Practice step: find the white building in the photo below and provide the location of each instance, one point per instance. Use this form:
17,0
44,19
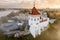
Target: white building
37,23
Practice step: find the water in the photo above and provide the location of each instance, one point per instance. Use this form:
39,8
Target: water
5,13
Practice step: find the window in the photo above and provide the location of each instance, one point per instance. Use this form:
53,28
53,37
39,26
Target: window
31,19
37,18
34,19
37,23
40,17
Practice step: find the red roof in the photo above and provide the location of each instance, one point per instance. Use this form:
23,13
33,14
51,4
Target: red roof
43,20
35,11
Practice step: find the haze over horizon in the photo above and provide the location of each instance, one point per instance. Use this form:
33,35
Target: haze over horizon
40,4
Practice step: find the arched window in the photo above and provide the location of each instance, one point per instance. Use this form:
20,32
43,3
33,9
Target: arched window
35,19
40,17
31,19
37,23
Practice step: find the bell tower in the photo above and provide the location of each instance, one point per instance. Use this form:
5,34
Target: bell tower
34,4
33,21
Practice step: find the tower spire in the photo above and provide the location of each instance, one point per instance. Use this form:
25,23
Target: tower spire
34,10
34,3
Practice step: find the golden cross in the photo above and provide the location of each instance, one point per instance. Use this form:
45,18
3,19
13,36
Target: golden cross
34,3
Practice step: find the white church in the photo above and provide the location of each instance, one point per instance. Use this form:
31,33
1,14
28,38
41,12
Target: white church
37,22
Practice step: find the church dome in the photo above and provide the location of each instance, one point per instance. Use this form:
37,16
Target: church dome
34,11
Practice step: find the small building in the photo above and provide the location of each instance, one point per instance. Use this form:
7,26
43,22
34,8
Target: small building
9,28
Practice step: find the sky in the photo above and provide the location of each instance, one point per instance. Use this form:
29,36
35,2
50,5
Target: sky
29,3
39,4
15,1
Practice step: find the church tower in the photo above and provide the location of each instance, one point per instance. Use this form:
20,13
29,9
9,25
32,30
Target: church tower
34,17
36,22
